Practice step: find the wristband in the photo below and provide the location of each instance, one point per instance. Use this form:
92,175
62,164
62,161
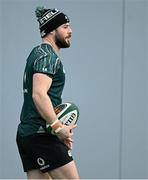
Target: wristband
58,130
56,126
54,122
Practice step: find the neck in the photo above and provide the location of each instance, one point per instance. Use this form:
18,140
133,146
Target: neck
51,42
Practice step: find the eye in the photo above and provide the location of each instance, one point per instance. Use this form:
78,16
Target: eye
65,26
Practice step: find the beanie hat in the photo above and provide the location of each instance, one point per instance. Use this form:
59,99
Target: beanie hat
49,19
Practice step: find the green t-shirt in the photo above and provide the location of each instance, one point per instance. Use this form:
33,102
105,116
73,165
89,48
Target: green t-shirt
42,59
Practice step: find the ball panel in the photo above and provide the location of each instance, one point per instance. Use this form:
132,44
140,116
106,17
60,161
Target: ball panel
70,118
67,113
70,107
61,108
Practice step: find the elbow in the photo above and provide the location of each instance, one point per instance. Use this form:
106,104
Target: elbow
36,96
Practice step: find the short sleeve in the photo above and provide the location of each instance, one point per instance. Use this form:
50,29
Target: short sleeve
47,65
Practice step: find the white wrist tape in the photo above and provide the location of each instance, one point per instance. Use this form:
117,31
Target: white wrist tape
56,126
54,122
58,130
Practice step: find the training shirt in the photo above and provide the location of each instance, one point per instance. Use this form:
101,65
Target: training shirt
42,59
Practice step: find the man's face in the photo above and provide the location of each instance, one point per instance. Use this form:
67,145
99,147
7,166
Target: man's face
62,36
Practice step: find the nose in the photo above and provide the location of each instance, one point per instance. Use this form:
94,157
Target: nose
70,30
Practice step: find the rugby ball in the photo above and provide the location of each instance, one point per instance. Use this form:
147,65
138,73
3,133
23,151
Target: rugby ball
67,113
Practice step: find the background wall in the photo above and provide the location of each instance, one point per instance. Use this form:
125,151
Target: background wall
0,92
135,91
107,76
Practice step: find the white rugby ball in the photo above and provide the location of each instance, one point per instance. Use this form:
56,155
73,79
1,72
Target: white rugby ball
67,113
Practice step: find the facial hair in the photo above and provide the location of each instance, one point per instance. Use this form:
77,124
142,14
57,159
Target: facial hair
61,41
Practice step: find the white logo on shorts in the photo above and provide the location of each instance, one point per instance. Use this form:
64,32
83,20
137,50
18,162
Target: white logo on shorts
40,161
69,153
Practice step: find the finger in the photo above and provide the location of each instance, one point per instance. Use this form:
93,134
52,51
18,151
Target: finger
68,144
70,139
72,126
71,145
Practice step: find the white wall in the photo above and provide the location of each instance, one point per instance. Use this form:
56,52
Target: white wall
135,102
107,76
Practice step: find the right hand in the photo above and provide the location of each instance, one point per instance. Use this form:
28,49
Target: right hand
65,134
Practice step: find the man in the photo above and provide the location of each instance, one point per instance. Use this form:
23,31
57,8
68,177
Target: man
43,154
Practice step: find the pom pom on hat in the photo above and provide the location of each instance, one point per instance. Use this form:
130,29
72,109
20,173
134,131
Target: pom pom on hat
40,10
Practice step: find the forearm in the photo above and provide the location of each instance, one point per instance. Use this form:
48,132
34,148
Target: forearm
45,107
41,85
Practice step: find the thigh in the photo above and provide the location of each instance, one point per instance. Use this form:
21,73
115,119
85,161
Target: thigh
37,174
68,171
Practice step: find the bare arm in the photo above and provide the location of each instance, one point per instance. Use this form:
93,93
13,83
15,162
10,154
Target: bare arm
41,85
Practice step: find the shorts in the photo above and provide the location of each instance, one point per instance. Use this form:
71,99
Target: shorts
42,151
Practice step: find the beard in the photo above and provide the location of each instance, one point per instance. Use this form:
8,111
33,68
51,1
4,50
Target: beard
62,42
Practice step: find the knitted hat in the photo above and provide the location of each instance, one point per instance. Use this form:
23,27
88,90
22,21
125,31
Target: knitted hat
49,19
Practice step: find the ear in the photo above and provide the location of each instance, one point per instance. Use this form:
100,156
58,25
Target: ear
53,32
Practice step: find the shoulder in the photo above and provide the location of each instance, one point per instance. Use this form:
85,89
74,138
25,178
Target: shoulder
46,61
45,51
